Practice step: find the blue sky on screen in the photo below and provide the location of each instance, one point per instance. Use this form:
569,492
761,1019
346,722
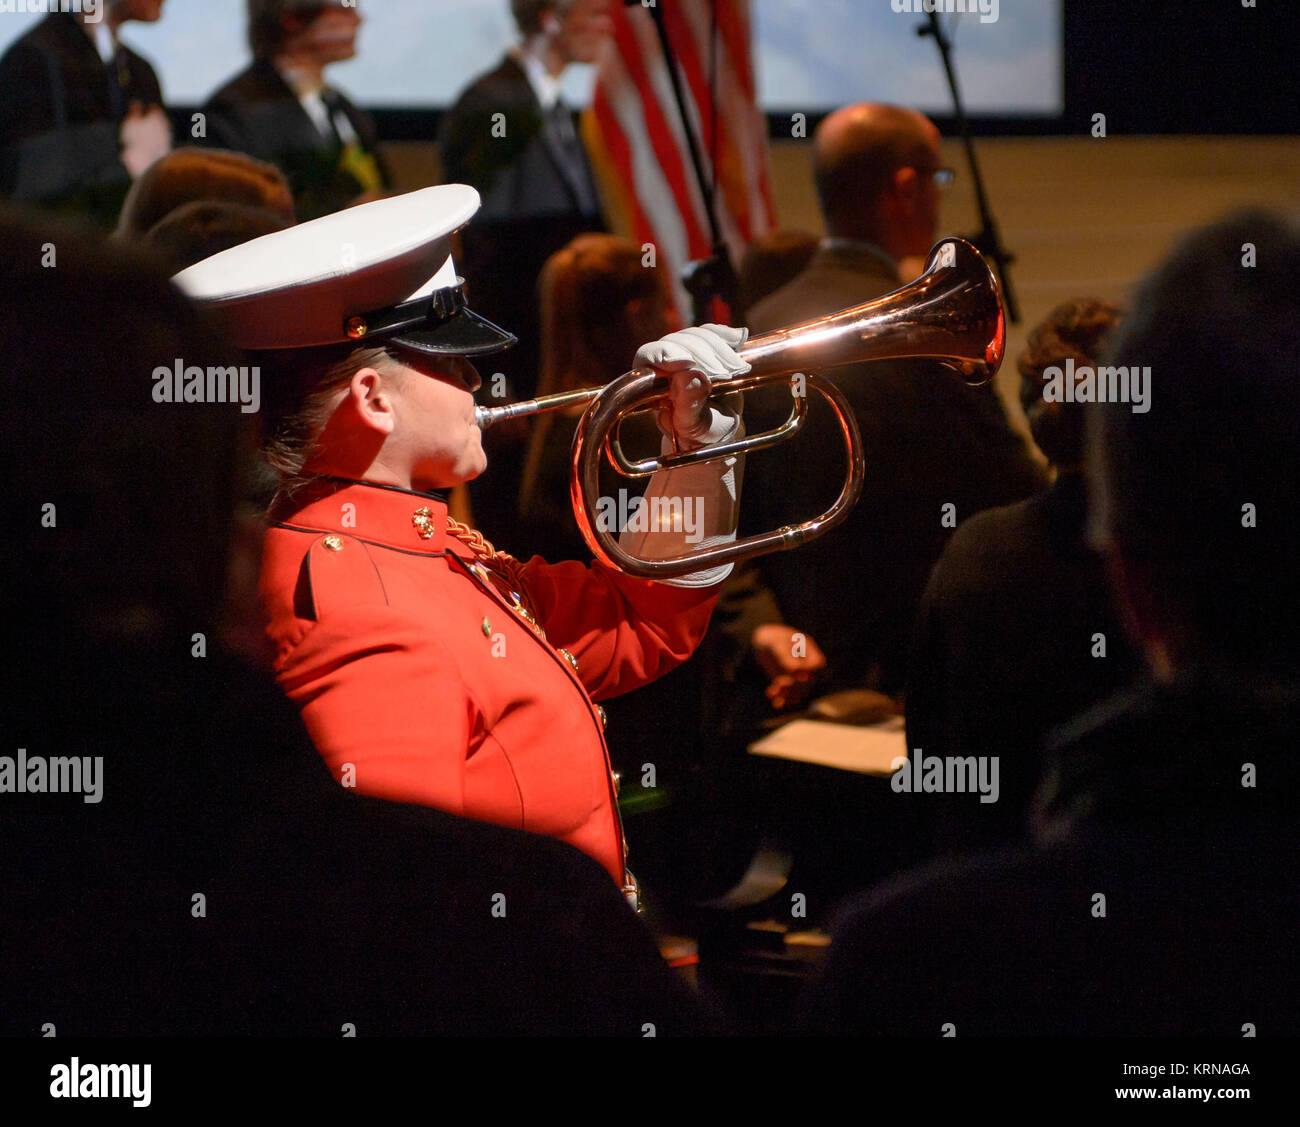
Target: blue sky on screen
829,52
812,54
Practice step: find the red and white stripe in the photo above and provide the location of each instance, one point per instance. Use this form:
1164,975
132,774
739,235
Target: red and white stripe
634,133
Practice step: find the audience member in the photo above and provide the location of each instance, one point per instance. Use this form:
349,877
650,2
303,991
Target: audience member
191,175
199,871
1016,631
83,112
937,450
599,302
281,109
1160,896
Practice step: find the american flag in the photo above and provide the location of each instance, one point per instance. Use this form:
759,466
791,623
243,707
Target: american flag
633,132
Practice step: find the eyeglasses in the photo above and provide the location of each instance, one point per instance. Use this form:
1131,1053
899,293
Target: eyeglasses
943,177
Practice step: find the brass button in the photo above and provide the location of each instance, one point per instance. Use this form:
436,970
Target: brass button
562,652
487,628
604,718
617,777
333,543
356,328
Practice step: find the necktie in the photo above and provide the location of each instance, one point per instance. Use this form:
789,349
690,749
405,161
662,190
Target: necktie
559,124
333,108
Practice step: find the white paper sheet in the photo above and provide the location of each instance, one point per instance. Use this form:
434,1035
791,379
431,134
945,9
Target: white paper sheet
870,750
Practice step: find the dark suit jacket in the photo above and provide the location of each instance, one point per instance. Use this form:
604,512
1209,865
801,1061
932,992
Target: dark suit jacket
523,172
59,133
257,113
320,907
930,441
1200,876
1003,652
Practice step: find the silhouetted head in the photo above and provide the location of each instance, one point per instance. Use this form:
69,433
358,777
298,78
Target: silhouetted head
573,30
190,175
600,302
123,505
1074,330
319,31
1193,498
199,230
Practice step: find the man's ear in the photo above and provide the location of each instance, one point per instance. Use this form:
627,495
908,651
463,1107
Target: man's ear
371,395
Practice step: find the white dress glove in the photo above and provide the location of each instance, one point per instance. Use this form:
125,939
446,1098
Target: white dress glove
695,358
693,507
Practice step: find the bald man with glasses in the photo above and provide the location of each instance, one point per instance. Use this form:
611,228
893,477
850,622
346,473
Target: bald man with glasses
930,440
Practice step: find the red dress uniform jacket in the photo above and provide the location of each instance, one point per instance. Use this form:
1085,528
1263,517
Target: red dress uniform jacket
421,678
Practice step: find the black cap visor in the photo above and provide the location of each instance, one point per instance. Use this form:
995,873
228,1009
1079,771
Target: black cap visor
464,333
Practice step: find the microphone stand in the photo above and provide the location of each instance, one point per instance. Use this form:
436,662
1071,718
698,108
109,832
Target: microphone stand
715,276
987,241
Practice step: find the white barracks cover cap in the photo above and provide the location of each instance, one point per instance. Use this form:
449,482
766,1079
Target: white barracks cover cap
380,271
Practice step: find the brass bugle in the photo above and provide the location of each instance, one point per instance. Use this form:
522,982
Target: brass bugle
951,314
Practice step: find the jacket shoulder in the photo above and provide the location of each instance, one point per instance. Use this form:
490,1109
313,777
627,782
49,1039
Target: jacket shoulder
257,82
824,286
47,42
334,572
504,88
57,30
506,81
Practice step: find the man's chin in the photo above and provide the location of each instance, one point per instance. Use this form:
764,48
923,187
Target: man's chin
471,472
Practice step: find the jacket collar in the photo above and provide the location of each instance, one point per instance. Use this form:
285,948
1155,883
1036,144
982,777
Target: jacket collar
378,514
87,45
545,87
